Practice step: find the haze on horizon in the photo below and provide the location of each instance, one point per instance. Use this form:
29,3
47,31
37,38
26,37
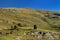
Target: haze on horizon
36,4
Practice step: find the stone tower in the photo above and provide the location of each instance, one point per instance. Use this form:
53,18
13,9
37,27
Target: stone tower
35,27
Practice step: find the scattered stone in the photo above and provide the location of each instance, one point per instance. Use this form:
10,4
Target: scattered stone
49,36
40,32
43,34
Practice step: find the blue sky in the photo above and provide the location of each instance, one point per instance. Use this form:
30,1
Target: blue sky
37,4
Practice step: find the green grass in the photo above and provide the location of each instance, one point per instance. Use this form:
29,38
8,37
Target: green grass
27,18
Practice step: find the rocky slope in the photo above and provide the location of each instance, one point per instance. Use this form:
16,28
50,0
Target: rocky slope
42,35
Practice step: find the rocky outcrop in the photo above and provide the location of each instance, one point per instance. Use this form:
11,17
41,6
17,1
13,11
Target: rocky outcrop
43,35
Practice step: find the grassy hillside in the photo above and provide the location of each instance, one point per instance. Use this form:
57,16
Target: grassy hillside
45,20
28,17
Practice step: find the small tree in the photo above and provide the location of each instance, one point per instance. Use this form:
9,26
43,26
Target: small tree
15,27
19,24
